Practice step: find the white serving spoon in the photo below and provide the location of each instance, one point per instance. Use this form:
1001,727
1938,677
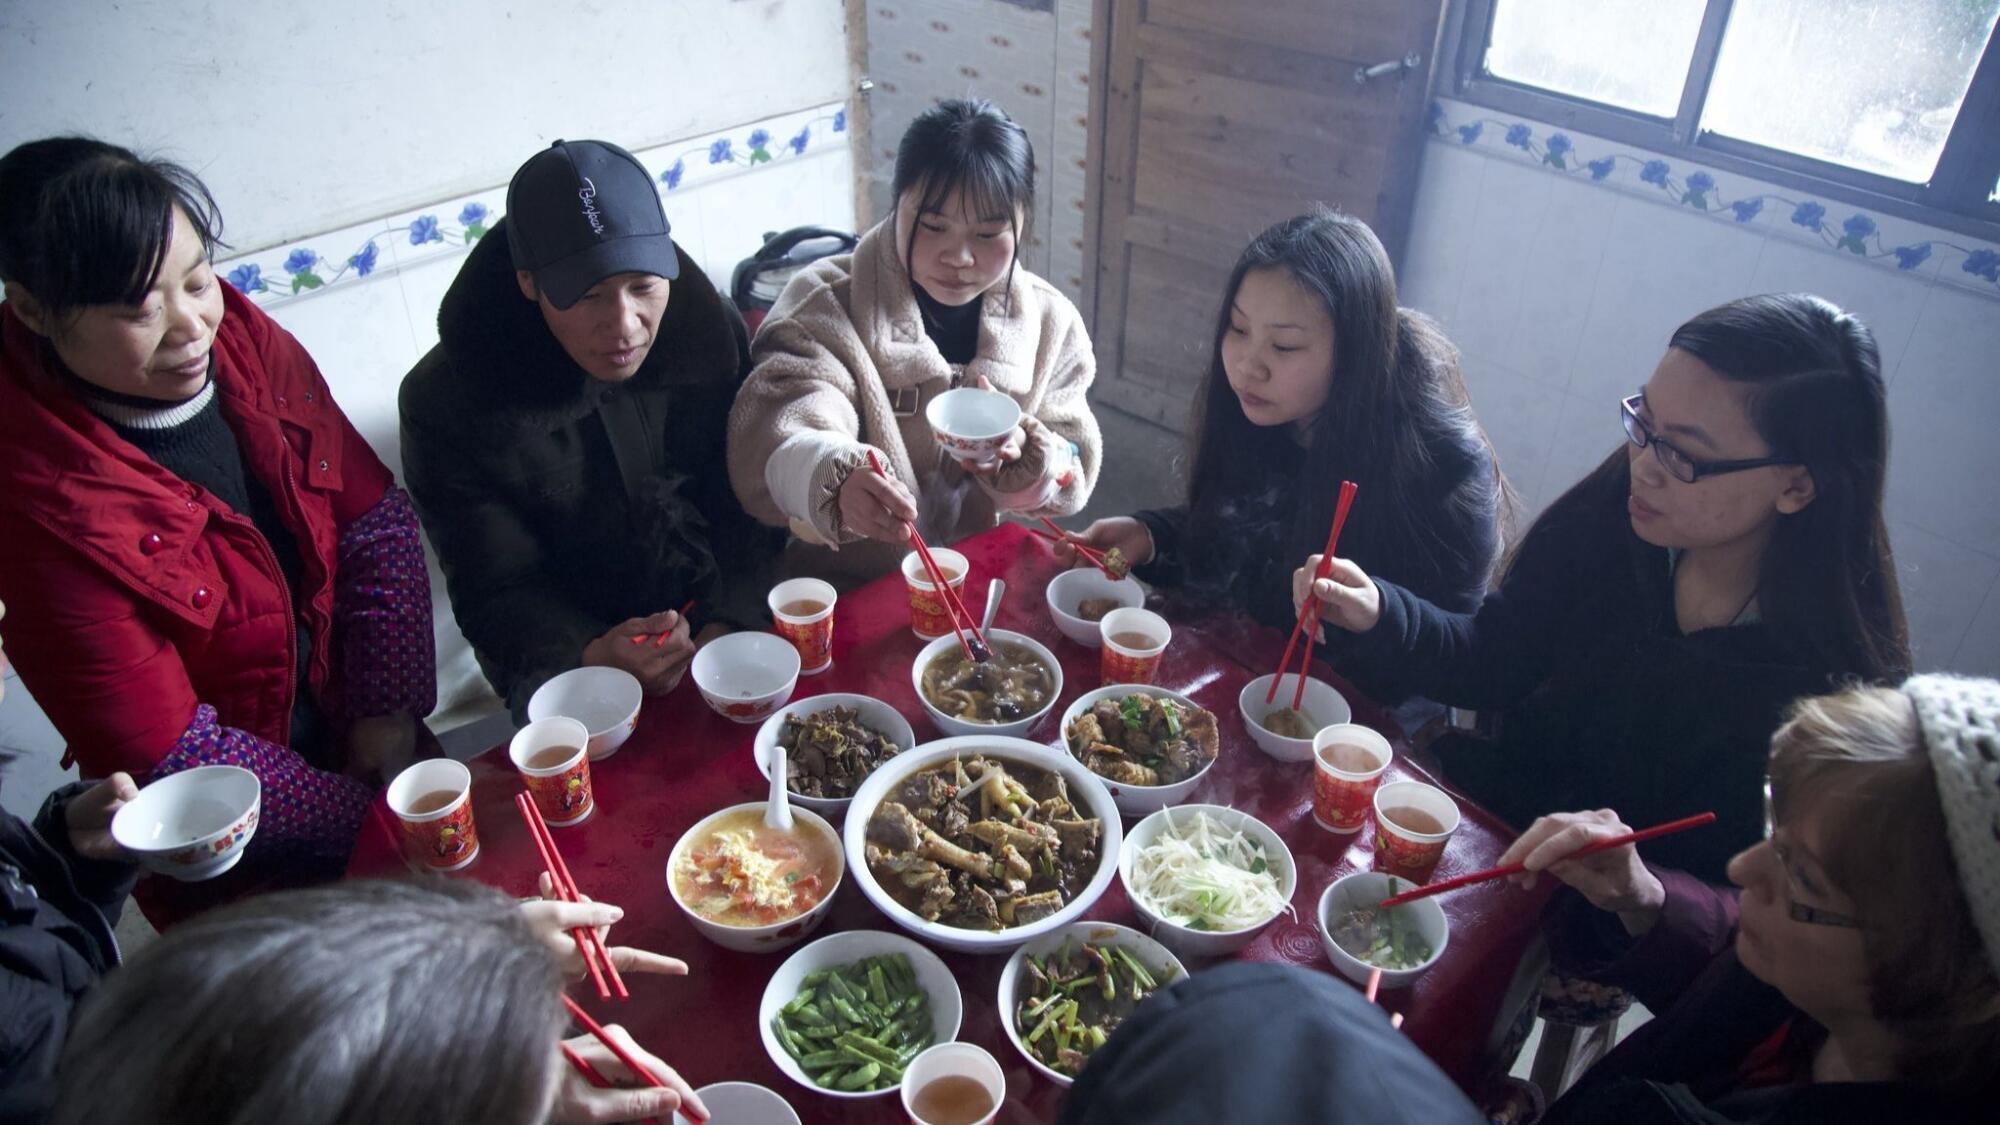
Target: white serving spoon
778,811
995,590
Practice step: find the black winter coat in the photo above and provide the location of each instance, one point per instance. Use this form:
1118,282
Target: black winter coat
57,911
560,506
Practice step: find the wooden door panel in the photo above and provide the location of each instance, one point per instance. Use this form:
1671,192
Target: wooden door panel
1371,29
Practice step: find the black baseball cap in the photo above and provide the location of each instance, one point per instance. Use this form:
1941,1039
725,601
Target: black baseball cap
581,211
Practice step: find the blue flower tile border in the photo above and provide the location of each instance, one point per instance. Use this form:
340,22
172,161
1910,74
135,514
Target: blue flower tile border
280,273
1856,232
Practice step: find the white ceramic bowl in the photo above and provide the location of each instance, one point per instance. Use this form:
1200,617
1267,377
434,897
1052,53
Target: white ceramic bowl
1086,792
193,824
834,950
777,935
1157,958
1015,729
1368,888
972,424
1206,943
605,700
745,677
1137,799
1325,704
742,1103
874,713
1071,588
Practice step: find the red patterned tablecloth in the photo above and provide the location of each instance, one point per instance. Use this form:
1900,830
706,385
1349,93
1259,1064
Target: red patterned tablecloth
684,762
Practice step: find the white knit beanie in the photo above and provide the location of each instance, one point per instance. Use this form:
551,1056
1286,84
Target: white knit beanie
1961,729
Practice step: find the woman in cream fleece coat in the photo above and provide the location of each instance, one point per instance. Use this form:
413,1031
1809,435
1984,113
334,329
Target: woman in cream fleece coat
858,345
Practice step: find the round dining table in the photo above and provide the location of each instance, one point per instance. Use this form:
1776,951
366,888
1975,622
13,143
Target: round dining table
684,761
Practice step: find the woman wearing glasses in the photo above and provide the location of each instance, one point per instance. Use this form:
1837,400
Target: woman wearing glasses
1856,974
1660,616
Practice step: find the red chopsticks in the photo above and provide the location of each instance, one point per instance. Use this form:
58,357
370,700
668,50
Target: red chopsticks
1090,554
591,1073
1609,842
975,649
1311,608
660,639
588,944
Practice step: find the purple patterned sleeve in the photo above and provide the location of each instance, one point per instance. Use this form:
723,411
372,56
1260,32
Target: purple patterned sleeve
306,811
382,611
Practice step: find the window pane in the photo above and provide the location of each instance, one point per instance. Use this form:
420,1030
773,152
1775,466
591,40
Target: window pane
1628,53
1872,84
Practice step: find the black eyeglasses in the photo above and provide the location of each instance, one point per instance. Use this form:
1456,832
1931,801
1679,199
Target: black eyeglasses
1676,460
1800,912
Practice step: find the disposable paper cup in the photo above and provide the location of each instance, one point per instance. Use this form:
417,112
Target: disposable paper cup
1342,793
947,1059
1401,851
562,790
927,612
810,633
1121,663
442,838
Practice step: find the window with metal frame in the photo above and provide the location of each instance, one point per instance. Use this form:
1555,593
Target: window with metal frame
1888,104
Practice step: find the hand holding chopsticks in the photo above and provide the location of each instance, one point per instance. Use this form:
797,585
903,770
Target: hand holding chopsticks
660,639
589,945
963,623
1592,852
620,1080
1083,550
553,917
1309,612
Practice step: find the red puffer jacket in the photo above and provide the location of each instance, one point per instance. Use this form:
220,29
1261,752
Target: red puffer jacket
153,623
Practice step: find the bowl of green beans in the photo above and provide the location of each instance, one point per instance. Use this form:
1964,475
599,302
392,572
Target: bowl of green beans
844,1015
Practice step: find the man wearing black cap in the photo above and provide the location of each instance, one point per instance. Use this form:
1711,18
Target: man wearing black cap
564,440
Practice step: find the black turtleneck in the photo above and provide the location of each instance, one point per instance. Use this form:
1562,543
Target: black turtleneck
955,331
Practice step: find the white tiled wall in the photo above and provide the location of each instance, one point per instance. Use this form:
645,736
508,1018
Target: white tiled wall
1562,291
1033,60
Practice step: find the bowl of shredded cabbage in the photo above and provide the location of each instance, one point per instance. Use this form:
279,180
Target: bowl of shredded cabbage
1206,879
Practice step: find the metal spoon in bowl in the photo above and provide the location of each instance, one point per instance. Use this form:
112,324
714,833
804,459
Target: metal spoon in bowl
778,812
995,590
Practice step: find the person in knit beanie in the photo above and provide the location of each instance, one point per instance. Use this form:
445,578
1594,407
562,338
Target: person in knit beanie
1855,975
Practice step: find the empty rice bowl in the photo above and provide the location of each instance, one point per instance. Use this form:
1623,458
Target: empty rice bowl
1360,889
1086,792
746,677
1153,955
952,725
191,825
1137,800
742,1103
1070,589
835,950
1183,939
1323,705
874,713
605,700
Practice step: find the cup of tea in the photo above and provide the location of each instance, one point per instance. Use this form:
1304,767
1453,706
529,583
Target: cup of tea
802,610
1412,823
553,756
953,1084
1348,762
1134,640
928,616
432,801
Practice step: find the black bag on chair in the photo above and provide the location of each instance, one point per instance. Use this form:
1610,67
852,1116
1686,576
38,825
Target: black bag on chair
762,276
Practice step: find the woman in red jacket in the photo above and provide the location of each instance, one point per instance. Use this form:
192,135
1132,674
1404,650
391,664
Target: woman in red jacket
204,561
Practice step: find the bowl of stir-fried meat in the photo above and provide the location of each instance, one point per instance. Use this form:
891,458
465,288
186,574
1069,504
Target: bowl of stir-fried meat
1078,599
1151,746
832,743
980,843
1005,696
1063,994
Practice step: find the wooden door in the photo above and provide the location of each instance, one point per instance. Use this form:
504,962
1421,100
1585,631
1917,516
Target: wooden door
1213,119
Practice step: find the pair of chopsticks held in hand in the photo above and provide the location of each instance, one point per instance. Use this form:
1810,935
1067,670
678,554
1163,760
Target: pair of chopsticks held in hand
563,907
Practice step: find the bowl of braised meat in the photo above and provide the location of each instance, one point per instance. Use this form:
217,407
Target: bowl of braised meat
1150,746
980,843
831,743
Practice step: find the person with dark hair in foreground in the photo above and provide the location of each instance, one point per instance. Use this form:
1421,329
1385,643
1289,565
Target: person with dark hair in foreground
1660,616
1253,1042
1856,974
206,562
433,1001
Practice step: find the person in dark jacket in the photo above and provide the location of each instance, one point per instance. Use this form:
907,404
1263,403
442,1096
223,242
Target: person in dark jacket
1255,1042
1855,976
1661,615
1317,376
564,440
206,562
